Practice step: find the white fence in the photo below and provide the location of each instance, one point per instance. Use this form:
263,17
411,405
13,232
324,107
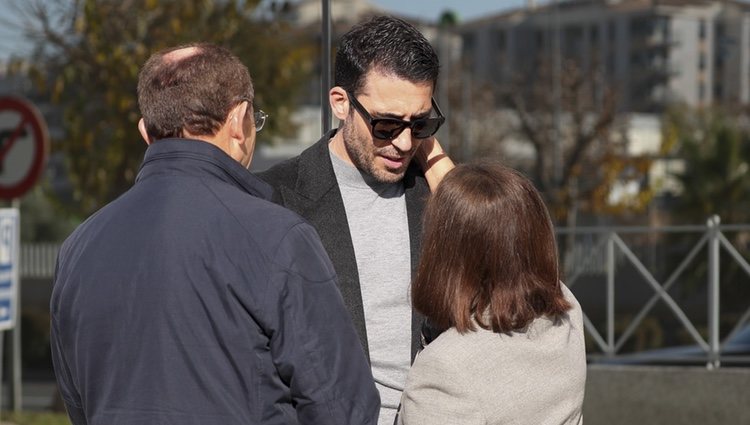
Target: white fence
605,251
38,260
600,252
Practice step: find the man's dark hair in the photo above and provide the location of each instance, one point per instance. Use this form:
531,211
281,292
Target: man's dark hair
389,45
193,93
488,253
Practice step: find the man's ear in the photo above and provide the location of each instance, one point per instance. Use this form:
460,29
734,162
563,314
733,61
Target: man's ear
144,133
236,122
339,102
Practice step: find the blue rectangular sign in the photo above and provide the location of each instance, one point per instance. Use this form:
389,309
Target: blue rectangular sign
6,280
9,266
6,310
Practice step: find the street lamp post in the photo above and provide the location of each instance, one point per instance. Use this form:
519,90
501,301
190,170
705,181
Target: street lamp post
325,61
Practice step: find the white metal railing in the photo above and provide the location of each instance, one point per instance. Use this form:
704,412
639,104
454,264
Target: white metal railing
610,251
597,251
38,259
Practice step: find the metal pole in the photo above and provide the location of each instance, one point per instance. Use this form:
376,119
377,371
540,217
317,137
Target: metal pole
466,100
557,89
325,61
713,292
445,59
2,352
611,295
16,335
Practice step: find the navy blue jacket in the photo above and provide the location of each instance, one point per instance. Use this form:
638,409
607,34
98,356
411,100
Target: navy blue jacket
192,300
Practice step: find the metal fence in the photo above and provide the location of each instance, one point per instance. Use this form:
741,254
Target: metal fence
38,260
599,257
604,253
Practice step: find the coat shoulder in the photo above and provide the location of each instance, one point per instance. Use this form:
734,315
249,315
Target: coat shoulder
282,174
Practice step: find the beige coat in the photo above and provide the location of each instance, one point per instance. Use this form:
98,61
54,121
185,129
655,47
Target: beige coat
534,377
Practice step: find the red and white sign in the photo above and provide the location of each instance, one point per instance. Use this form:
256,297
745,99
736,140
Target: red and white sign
24,144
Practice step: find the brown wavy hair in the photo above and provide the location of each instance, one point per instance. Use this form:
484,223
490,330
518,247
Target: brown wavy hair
488,253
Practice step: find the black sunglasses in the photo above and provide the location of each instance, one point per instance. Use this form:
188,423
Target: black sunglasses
390,128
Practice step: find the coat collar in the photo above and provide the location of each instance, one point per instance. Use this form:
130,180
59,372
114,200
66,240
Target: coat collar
196,157
316,170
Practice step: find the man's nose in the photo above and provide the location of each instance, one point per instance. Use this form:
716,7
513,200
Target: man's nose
403,141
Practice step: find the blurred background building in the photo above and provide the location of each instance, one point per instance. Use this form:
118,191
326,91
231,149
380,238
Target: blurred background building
654,52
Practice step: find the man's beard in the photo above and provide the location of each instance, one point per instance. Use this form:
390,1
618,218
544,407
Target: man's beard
363,154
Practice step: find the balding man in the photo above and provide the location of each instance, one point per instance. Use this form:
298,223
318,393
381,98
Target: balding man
191,299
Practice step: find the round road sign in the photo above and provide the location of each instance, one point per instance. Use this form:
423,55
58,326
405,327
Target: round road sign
23,146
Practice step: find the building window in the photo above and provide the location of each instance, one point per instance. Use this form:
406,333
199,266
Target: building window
501,41
594,35
664,28
468,42
702,29
701,61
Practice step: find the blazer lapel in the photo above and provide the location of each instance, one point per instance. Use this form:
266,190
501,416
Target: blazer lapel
417,191
316,197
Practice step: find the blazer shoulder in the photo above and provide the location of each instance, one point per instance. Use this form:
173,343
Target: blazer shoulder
288,173
444,350
282,174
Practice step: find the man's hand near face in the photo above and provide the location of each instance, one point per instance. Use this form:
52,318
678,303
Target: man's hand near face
434,161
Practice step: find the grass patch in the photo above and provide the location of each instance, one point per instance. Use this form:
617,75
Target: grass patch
35,418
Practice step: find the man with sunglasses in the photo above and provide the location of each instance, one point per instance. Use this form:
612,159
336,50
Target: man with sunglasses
360,187
192,299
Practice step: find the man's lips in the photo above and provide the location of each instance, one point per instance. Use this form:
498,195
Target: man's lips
393,161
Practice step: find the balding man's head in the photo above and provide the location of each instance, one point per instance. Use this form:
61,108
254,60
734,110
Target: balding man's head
191,89
180,53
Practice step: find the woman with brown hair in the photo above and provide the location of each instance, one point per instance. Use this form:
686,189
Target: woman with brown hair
513,350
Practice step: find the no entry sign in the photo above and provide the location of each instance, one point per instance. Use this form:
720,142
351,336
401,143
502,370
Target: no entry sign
23,146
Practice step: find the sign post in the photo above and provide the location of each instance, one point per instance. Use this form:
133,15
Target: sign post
9,279
24,146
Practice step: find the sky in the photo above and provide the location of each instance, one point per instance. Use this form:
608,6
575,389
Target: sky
466,9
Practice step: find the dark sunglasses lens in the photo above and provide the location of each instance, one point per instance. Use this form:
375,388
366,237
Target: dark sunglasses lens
424,128
387,129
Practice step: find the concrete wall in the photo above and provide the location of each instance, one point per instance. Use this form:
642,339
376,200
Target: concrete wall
630,395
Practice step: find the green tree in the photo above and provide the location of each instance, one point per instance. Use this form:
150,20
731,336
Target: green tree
579,141
714,146
41,220
86,60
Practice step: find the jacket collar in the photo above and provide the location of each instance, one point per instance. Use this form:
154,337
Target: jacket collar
196,157
316,176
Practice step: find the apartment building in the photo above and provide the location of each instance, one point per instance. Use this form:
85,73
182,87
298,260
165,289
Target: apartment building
653,52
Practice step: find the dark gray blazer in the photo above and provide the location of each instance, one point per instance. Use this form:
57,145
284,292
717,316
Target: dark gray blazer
306,184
